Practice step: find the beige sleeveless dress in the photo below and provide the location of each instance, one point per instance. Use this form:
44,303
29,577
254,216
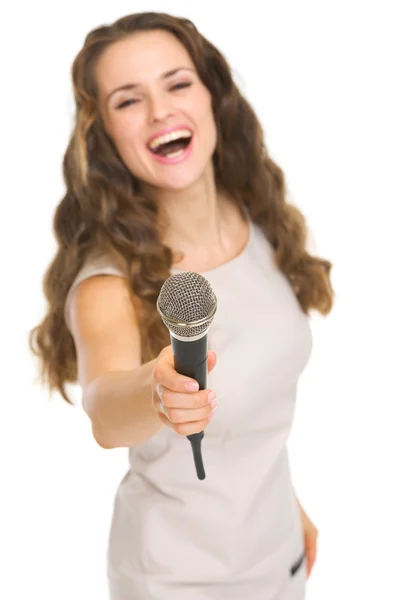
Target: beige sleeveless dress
237,534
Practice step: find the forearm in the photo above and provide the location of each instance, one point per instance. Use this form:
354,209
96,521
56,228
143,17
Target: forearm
119,405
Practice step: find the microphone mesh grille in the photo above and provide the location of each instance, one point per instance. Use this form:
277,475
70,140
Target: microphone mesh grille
186,296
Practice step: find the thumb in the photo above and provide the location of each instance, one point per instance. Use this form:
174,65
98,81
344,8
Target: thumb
212,360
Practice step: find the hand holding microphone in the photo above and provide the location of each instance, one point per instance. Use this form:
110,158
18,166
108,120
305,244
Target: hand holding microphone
183,410
187,305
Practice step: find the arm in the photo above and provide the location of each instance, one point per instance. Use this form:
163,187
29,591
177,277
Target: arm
116,388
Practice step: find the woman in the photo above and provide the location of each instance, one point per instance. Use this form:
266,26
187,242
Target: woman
167,170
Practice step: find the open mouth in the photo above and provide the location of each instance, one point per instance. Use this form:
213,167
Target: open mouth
173,148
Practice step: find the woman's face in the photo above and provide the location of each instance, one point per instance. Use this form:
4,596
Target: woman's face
165,93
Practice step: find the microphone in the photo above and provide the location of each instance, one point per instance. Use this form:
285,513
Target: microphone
187,305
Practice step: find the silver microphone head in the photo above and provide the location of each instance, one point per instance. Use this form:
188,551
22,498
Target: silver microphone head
187,304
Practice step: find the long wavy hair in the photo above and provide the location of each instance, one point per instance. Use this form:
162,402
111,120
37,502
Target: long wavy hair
103,209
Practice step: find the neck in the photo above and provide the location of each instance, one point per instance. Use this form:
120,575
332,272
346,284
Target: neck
192,218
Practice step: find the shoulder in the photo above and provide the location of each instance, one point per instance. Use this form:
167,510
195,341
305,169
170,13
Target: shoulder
103,321
93,275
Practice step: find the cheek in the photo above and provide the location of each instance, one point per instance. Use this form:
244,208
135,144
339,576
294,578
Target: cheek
124,131
204,101
212,133
205,117
125,136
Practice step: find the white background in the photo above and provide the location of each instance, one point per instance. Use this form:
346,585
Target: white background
322,77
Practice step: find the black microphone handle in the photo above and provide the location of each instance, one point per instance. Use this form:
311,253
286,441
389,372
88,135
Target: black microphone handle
190,359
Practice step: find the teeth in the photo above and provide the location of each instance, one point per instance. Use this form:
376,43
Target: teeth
170,137
173,154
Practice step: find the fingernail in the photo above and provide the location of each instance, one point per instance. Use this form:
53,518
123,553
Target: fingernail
192,386
211,397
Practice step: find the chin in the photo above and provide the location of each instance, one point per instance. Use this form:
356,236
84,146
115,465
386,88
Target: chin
181,181
186,178
178,186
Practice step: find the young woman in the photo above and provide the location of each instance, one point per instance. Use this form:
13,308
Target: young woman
167,171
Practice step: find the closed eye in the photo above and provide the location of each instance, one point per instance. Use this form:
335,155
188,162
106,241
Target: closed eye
178,86
181,85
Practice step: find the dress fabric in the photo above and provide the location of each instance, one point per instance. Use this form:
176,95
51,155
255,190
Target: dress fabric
236,534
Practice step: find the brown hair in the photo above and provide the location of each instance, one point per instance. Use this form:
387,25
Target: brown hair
103,209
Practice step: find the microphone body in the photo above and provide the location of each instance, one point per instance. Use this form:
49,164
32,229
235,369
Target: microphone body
190,359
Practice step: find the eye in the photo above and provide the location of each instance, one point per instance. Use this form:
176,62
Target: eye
181,85
127,103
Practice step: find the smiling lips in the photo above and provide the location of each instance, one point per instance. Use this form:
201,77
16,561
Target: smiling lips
166,148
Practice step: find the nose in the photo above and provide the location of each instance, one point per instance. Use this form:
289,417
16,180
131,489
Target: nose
159,107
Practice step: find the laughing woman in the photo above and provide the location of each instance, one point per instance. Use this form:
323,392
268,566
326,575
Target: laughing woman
167,171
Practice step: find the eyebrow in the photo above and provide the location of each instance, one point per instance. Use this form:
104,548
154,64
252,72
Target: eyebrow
130,86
